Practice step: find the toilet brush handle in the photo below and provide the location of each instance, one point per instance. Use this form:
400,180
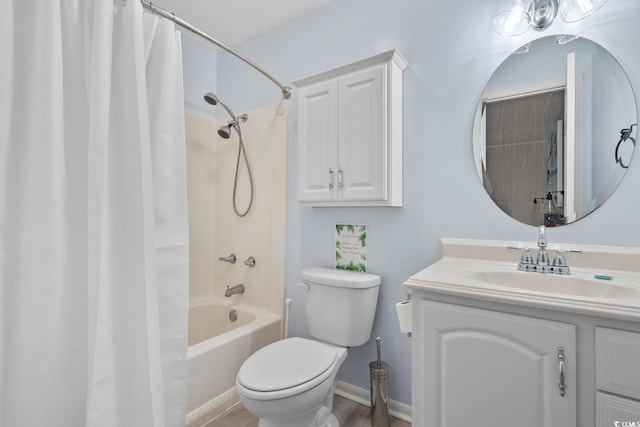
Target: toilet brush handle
379,361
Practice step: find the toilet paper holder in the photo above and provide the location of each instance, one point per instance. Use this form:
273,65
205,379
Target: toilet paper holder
404,312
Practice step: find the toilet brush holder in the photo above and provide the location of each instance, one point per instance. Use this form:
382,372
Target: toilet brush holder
379,373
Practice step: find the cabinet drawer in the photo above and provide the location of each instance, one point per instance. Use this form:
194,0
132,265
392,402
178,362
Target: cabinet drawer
618,362
616,411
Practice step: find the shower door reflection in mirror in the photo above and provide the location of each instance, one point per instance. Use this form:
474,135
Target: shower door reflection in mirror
546,130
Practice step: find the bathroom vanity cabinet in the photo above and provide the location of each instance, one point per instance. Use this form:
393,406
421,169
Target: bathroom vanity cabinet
491,364
350,134
531,350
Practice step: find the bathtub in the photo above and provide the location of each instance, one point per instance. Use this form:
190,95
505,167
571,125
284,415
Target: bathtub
217,348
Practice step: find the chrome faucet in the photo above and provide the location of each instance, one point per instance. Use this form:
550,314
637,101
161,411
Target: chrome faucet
543,256
237,289
231,258
542,265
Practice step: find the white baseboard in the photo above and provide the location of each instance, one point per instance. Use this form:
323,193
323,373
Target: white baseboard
362,396
212,409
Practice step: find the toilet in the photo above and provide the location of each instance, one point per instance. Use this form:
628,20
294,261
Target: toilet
291,383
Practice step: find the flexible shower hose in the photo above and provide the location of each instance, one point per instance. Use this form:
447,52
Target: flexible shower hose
242,152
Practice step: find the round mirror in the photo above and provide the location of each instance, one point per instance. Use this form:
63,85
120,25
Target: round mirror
554,130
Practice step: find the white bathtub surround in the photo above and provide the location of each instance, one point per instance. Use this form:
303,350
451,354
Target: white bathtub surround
93,217
217,349
215,230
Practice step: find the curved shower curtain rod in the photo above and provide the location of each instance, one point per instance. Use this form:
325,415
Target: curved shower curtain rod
286,91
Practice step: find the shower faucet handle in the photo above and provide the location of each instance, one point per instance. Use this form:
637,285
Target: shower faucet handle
251,261
231,258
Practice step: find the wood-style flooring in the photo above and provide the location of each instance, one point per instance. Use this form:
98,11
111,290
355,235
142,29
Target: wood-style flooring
348,412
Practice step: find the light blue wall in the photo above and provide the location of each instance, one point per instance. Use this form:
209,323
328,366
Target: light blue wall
200,74
452,51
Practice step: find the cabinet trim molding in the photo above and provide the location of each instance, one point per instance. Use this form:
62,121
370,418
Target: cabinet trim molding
390,55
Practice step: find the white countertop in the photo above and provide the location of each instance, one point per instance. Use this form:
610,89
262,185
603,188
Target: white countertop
463,261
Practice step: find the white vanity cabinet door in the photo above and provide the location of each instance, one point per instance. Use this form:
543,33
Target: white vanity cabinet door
618,362
490,369
318,141
614,411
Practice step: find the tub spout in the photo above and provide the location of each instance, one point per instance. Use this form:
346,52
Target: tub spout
237,289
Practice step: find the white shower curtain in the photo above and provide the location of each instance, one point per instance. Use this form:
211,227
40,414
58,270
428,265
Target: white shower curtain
93,217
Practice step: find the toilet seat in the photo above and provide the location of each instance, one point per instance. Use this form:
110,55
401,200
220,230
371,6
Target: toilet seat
286,368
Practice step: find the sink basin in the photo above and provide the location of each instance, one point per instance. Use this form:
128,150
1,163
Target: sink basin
483,270
557,284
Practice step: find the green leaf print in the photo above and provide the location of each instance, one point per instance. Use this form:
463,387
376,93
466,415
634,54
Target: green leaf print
363,239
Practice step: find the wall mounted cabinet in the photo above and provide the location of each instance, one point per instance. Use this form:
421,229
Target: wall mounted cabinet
350,134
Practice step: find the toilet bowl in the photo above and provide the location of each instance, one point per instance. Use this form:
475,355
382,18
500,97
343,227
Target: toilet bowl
290,383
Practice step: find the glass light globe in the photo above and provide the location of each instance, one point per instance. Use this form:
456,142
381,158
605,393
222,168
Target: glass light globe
575,10
513,19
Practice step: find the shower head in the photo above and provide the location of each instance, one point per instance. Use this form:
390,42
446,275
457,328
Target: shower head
214,100
211,98
225,131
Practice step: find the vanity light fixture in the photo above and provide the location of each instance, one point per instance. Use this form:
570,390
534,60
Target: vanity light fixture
520,15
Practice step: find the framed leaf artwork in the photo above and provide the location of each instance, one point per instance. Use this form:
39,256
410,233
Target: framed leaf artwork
351,247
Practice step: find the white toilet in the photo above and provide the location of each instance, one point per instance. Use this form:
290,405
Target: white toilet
290,383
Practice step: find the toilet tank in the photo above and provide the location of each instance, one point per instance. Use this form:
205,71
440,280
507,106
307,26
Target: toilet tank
340,305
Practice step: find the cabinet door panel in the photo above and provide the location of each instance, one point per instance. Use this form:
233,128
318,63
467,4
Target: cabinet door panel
492,369
362,155
618,362
616,411
318,141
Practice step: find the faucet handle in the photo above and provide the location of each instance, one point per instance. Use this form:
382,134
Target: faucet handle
526,257
559,260
526,260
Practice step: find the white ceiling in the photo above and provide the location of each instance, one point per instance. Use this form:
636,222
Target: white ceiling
235,21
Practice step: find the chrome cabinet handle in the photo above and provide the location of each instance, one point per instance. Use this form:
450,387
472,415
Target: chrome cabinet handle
331,179
562,385
340,178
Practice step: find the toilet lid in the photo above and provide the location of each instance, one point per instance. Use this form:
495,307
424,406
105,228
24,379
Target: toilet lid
285,364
